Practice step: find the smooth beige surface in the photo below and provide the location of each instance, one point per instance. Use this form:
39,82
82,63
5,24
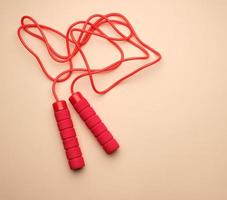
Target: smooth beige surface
169,120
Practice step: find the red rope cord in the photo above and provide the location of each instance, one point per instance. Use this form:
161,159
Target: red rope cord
74,45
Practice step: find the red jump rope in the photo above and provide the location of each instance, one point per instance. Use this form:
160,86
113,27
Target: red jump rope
74,46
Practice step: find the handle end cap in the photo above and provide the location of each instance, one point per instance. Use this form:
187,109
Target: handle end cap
111,146
76,163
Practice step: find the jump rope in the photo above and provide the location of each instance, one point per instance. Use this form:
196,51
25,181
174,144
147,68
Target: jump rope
74,46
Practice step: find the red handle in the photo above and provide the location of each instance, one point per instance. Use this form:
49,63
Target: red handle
68,135
94,123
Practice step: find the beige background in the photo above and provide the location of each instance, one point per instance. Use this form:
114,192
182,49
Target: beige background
170,120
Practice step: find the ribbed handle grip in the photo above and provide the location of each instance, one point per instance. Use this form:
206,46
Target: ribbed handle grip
94,123
68,135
